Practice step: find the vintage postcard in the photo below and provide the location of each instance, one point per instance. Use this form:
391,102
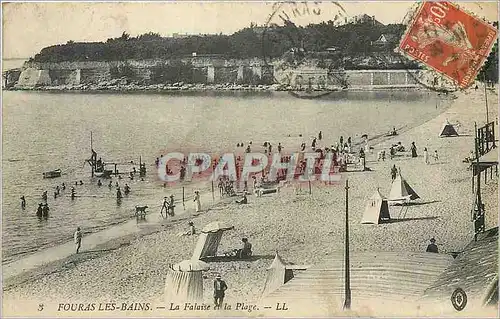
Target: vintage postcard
250,159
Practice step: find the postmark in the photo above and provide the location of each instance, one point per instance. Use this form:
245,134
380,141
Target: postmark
448,40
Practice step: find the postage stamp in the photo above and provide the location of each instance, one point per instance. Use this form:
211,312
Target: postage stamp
249,159
449,40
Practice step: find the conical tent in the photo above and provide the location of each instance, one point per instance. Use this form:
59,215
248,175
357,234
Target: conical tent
448,130
209,240
400,190
376,210
277,275
184,282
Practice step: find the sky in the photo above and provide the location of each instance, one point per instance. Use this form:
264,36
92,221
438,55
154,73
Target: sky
30,26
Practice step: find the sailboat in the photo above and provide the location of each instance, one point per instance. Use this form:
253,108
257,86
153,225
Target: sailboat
309,93
98,169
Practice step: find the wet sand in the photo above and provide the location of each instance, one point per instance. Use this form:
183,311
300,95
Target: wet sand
303,228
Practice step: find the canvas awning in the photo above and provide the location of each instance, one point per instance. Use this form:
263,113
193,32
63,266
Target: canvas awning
214,227
209,239
191,265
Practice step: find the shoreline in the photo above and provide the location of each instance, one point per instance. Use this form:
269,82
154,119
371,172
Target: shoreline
200,88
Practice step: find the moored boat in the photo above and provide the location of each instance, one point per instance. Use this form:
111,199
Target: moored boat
106,173
309,94
52,174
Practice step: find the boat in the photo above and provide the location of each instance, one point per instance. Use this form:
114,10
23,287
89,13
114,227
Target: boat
52,174
105,173
309,94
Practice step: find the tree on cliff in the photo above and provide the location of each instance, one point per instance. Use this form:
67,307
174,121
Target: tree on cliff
271,42
490,68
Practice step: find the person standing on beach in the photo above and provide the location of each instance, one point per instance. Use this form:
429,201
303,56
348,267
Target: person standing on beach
413,149
23,202
432,247
320,135
164,205
78,239
196,200
426,156
220,288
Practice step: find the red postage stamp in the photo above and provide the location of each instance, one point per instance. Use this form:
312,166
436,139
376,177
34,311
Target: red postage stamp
449,40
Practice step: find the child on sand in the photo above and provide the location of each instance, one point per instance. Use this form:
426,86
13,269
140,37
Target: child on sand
196,200
426,156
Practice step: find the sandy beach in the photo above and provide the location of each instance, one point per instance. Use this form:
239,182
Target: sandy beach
303,228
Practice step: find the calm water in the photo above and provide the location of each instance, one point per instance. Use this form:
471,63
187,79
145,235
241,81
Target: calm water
44,131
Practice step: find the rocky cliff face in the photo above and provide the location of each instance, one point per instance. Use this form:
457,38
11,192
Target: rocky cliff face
32,78
194,70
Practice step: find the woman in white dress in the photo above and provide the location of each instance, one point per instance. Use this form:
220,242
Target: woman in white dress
197,203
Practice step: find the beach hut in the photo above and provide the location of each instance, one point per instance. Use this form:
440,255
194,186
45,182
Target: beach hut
376,210
448,130
277,275
184,281
209,240
401,191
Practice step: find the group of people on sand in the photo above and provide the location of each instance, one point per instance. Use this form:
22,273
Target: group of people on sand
226,186
168,206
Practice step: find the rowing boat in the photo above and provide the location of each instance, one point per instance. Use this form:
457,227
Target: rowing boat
52,174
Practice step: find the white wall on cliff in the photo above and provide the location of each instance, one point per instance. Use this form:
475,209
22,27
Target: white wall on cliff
32,77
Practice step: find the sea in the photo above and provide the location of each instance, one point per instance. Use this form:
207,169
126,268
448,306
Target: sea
8,64
43,131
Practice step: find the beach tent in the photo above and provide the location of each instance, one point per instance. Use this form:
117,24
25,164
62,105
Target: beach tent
209,240
448,130
401,191
184,281
376,210
277,275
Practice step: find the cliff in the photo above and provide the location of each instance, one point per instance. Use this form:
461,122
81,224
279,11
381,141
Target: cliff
202,70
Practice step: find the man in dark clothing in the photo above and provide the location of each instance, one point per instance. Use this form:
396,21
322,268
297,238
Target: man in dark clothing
246,251
432,248
39,210
23,202
171,206
219,291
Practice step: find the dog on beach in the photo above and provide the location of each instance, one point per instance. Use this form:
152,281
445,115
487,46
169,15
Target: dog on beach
140,211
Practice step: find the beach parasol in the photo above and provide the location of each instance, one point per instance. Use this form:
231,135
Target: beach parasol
191,265
216,226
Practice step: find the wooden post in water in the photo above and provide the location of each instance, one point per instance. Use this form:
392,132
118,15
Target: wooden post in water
347,301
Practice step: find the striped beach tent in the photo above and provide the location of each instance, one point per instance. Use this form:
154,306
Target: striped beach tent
277,275
209,240
376,210
185,281
401,191
448,130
